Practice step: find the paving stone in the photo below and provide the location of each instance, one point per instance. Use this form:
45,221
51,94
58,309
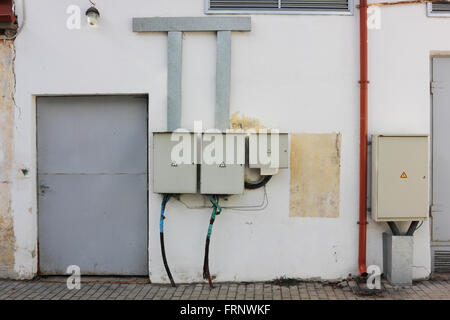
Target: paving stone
43,290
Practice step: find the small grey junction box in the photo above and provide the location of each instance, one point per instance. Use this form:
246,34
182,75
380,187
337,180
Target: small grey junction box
260,143
174,175
225,175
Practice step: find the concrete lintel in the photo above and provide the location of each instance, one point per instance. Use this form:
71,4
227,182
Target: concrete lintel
161,24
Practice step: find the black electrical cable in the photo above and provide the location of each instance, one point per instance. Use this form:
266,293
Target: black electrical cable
216,211
166,199
257,184
394,228
206,274
412,228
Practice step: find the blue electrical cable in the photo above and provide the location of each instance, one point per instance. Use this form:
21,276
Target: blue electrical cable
166,199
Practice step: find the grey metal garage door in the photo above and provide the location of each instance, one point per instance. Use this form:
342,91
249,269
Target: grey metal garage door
92,184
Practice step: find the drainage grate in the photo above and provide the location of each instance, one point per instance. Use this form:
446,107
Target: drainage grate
441,261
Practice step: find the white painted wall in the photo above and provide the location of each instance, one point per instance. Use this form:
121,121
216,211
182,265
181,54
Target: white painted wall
298,73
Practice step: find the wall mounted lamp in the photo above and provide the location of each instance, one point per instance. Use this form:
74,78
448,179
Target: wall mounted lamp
92,15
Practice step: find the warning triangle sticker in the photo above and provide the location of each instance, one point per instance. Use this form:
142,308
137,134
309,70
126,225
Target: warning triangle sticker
404,176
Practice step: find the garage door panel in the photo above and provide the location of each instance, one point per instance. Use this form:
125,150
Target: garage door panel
94,223
92,135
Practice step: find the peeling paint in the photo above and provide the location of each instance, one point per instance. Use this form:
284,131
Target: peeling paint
7,237
315,175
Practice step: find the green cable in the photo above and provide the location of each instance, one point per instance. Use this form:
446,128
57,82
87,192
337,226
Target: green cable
216,211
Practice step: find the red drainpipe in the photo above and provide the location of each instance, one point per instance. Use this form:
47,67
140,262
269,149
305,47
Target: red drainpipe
6,12
363,138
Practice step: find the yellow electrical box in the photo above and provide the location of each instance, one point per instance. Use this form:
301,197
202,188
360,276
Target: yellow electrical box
400,177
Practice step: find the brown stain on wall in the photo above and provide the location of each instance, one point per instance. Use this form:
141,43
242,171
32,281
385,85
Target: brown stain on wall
7,86
243,122
315,175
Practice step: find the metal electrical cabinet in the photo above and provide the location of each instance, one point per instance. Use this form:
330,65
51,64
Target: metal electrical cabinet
399,177
169,175
256,142
223,177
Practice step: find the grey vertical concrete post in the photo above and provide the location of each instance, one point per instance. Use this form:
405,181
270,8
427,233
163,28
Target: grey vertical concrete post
223,78
174,58
398,258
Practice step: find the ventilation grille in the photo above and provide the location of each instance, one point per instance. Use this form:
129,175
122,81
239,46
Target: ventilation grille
441,261
243,5
282,5
440,8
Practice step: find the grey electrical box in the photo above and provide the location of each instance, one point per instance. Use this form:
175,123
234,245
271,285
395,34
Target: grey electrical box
222,172
263,144
399,177
174,168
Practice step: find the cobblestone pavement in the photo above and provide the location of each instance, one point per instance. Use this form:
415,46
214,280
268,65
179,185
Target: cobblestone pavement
123,289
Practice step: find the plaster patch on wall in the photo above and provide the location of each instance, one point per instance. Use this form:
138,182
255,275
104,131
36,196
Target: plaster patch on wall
7,237
315,175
